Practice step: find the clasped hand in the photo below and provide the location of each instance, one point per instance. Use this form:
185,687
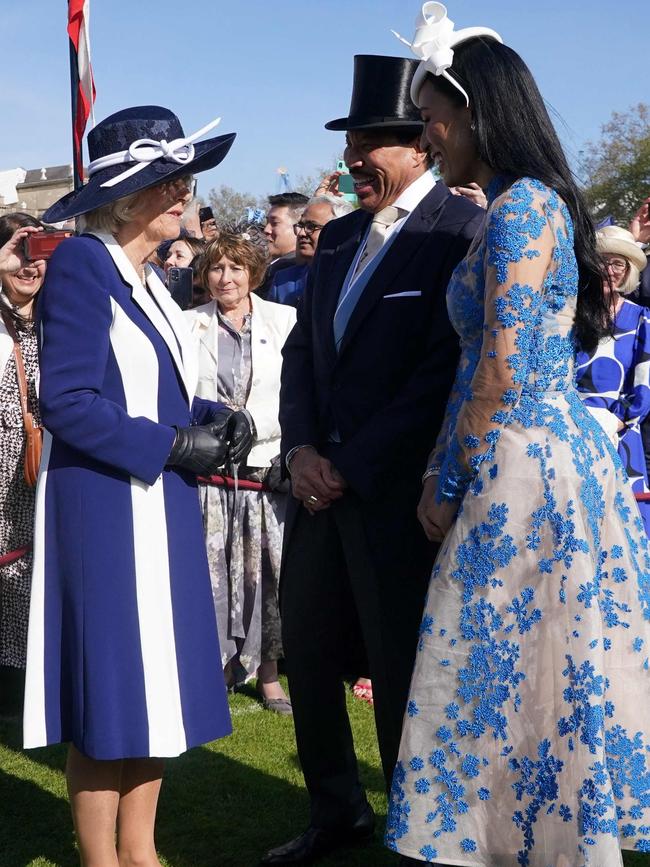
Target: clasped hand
236,429
203,449
315,480
436,518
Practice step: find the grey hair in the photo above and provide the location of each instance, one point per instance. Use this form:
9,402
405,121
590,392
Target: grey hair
111,217
340,207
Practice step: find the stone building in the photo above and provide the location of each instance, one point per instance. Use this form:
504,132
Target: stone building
33,190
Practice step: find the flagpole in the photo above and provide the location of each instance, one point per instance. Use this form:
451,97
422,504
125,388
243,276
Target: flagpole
77,170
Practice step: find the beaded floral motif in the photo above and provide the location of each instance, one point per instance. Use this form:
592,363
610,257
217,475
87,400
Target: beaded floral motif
523,741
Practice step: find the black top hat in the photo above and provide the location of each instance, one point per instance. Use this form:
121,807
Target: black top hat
381,94
154,129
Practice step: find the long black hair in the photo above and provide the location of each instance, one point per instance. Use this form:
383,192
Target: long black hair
514,136
8,225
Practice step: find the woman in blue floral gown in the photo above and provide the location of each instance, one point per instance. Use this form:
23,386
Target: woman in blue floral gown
526,734
614,379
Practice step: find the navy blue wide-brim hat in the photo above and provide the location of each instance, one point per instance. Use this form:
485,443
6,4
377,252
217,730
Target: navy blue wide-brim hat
381,95
154,129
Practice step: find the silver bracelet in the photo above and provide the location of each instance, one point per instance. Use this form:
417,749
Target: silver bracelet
433,470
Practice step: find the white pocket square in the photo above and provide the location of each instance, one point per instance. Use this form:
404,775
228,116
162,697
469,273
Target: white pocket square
404,295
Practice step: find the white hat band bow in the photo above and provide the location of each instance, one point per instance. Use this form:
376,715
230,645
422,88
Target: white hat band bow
145,150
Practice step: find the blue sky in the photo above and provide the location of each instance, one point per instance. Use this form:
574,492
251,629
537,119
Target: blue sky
277,71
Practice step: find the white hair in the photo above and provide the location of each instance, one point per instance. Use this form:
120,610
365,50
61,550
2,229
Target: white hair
111,217
340,207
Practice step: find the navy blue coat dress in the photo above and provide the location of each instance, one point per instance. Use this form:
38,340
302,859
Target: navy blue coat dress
123,654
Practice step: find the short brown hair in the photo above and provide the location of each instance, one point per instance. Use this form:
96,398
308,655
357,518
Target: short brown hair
241,251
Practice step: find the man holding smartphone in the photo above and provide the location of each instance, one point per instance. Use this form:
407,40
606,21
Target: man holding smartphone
209,228
366,375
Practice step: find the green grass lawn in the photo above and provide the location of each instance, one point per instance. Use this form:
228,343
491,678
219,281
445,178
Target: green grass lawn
221,806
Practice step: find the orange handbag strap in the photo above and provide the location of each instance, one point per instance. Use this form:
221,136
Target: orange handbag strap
28,418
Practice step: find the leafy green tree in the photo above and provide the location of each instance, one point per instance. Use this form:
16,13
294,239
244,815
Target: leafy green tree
616,168
229,206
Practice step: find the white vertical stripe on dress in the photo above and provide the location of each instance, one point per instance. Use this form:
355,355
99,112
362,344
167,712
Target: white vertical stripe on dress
138,364
34,722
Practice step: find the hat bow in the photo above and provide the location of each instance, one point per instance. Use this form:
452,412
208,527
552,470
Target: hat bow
144,151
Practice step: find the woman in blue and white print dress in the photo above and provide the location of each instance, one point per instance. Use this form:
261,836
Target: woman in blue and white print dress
614,379
525,741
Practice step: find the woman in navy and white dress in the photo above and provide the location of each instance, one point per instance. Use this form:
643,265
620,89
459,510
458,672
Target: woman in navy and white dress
123,652
614,379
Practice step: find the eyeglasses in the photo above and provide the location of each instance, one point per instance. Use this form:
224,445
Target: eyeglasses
182,186
308,228
618,266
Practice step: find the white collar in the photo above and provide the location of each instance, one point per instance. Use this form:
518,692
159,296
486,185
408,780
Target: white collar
160,309
410,198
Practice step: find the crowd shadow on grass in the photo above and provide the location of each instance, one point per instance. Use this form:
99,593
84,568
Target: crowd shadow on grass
11,735
33,824
214,812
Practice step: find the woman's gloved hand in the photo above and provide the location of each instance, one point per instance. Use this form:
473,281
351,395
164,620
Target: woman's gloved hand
241,434
198,450
218,420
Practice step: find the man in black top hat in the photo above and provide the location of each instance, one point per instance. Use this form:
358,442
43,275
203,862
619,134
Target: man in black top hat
366,375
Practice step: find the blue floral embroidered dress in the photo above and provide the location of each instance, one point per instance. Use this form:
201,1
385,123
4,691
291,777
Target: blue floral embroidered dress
614,382
527,731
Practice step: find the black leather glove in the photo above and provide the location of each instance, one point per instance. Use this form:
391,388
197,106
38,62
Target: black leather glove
198,450
240,437
218,420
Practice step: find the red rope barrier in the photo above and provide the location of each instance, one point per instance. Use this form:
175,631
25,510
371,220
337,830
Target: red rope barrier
228,482
12,556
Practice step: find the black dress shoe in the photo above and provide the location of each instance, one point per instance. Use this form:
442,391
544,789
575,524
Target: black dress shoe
317,842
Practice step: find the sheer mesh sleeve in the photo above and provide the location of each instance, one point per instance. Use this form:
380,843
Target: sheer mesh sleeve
520,245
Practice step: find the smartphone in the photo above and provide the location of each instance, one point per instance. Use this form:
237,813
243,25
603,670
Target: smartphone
346,182
179,283
205,214
41,245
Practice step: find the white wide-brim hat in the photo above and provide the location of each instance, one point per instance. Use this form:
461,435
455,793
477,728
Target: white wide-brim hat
614,239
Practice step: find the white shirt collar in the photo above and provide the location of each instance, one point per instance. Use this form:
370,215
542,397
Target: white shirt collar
411,197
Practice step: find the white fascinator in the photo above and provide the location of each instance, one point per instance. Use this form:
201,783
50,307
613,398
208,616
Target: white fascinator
434,42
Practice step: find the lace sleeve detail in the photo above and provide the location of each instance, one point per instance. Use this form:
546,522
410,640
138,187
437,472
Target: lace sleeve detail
520,248
461,389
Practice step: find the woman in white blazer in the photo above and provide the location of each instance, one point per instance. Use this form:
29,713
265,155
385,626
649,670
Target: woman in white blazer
20,282
239,340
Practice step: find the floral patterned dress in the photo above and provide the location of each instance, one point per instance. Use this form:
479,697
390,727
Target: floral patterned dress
243,532
614,382
16,503
526,734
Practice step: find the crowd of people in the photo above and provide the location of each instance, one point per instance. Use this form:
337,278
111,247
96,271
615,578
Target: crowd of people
402,444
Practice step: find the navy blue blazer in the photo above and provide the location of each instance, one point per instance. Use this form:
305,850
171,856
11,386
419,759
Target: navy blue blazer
386,389
288,285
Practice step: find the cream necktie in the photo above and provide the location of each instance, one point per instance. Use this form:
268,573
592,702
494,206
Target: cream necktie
374,242
381,222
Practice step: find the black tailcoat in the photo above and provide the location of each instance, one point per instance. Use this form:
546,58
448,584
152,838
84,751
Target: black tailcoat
359,569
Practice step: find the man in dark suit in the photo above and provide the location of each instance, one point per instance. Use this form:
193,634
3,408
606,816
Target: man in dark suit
366,375
284,211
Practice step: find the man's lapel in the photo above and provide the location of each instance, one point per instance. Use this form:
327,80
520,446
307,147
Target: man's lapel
340,260
398,256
